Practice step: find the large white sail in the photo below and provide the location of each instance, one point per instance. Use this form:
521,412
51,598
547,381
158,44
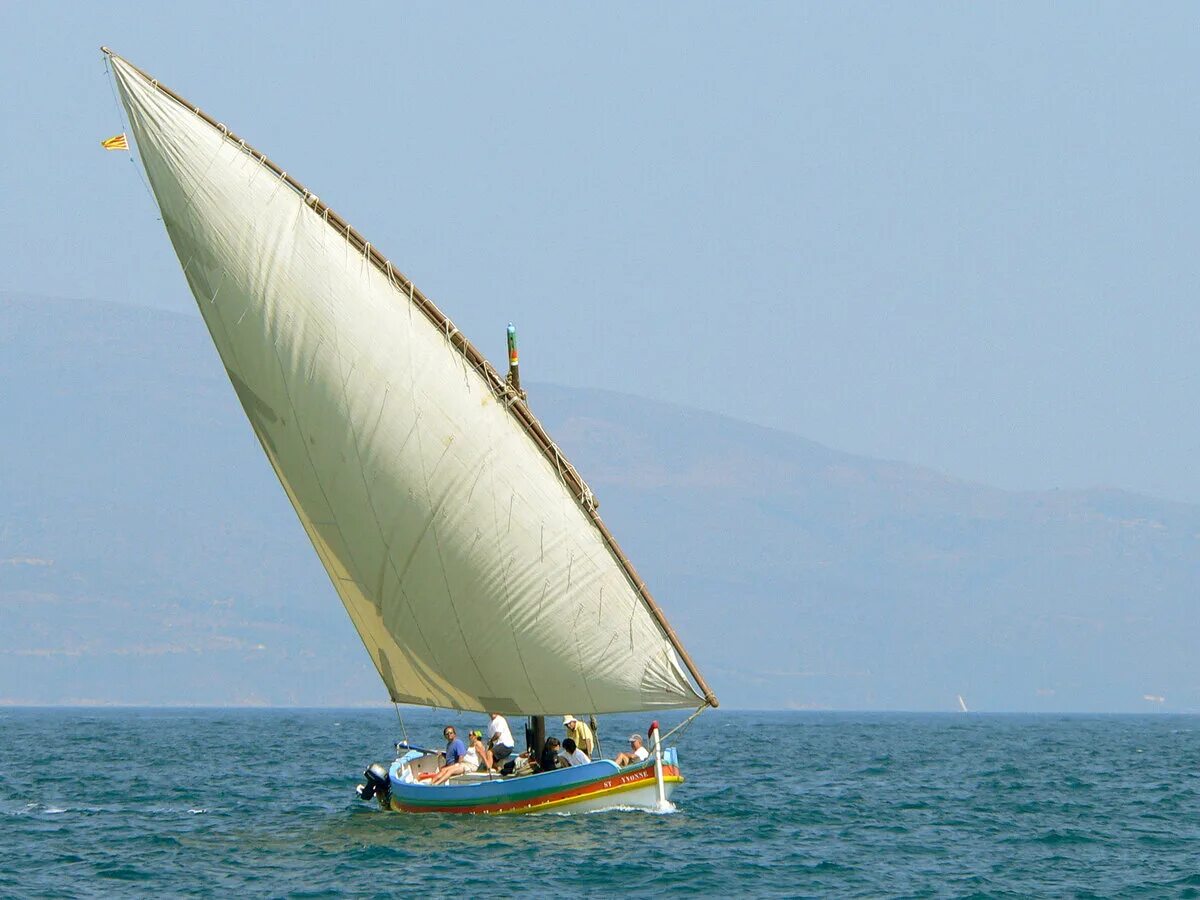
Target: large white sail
475,576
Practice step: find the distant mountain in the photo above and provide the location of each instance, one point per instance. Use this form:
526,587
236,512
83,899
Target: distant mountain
148,555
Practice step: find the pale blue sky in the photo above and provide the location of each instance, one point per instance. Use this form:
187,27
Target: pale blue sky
959,235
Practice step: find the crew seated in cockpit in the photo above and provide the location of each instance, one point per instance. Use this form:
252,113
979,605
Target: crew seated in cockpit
636,753
573,755
549,760
459,759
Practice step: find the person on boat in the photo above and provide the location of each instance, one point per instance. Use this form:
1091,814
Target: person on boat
499,739
455,748
475,742
549,759
575,756
579,732
636,753
468,762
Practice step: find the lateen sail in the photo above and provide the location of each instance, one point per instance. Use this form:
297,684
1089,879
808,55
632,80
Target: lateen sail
472,568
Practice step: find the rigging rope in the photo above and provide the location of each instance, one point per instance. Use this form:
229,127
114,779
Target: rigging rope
400,719
684,724
595,726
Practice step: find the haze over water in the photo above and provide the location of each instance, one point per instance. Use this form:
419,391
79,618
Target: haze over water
236,802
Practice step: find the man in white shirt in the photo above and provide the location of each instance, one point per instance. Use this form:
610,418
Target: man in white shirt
500,739
636,753
573,755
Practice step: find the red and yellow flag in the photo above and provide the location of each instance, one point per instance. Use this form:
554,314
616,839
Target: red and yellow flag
118,142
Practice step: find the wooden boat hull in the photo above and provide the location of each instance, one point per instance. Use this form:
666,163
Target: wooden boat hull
599,785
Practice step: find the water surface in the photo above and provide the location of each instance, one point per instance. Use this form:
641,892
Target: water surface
261,802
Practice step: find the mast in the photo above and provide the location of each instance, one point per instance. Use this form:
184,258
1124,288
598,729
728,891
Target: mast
507,395
535,731
514,370
535,735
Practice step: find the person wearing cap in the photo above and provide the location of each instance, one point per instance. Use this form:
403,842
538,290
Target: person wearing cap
499,739
573,755
579,732
636,753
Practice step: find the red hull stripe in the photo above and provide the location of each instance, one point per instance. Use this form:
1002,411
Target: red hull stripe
612,784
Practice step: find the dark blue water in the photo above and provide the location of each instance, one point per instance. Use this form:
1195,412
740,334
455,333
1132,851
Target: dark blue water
776,804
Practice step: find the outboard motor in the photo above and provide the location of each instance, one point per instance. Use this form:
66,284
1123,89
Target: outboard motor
377,785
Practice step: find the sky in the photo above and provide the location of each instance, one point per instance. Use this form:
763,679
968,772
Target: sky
960,235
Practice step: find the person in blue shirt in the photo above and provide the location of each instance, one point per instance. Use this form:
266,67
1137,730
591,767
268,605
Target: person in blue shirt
459,760
455,748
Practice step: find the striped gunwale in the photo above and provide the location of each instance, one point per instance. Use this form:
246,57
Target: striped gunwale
544,799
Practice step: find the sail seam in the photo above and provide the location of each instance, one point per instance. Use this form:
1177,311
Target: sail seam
429,686
354,569
491,464
579,654
434,509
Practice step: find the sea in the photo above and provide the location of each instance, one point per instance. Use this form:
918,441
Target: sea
260,802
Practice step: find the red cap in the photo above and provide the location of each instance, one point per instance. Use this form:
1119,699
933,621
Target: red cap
653,728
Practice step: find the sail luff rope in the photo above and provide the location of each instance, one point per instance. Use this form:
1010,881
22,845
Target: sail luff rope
532,426
126,128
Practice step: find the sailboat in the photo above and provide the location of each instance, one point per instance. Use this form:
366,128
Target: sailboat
467,550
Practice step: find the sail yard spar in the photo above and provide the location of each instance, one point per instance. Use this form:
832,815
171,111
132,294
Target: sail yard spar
465,547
